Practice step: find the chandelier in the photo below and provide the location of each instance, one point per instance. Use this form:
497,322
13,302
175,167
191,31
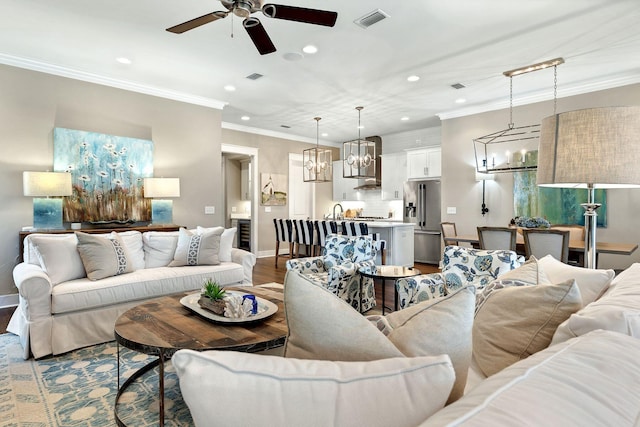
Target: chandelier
516,147
359,156
316,161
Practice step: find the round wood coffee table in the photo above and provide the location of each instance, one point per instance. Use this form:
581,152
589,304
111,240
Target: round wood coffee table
162,326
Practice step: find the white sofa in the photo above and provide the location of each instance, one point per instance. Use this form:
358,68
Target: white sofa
587,376
61,309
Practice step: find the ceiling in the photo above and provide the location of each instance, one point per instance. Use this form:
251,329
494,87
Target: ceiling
471,42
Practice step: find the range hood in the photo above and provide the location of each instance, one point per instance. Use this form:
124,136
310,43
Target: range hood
373,183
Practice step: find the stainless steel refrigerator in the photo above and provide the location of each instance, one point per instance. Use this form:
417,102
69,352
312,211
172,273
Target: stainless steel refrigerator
422,208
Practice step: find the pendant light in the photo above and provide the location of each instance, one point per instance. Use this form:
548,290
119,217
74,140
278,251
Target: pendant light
316,161
359,156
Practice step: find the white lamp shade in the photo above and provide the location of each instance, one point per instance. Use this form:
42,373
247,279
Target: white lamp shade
597,146
45,184
162,187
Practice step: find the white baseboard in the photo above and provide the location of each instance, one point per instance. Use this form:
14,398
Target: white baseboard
9,300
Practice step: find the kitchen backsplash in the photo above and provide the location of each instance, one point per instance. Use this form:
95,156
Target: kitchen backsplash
372,205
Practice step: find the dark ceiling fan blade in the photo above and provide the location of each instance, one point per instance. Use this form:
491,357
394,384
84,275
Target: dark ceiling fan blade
300,14
196,22
258,35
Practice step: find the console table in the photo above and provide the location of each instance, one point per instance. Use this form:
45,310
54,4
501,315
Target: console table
141,229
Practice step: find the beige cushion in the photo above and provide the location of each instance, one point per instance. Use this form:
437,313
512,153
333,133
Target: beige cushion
617,310
531,272
103,257
515,322
226,241
589,381
59,257
592,282
322,326
241,389
197,249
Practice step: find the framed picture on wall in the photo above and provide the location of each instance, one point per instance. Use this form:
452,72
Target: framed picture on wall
273,189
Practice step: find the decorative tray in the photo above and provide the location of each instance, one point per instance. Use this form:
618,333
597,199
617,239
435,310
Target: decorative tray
265,309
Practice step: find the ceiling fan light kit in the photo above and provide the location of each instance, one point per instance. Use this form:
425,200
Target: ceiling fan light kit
245,8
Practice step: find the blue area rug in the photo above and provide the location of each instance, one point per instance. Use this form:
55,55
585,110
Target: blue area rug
79,388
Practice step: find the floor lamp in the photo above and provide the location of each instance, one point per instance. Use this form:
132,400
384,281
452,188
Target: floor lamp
591,148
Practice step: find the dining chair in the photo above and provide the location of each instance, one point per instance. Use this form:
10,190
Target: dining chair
542,242
576,232
497,238
449,230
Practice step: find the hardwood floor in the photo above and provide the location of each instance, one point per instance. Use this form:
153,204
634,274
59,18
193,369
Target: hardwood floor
266,272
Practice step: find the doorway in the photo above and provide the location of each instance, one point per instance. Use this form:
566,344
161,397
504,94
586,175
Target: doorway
250,154
302,195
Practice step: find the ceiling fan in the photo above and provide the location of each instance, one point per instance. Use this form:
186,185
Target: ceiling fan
253,26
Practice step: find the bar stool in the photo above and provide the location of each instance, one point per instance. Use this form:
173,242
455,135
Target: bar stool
304,235
284,233
322,230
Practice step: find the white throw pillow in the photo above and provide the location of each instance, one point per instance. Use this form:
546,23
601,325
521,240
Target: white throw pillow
323,326
250,389
133,242
531,272
592,283
103,257
588,381
197,249
226,241
515,322
59,257
159,247
617,310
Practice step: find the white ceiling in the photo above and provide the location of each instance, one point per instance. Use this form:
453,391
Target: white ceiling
444,42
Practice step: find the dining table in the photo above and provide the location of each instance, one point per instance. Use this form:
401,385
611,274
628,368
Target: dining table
575,246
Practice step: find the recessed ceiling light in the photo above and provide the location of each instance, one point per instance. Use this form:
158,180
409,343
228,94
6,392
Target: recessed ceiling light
123,60
413,78
404,119
245,118
460,101
360,127
310,49
230,88
324,134
293,56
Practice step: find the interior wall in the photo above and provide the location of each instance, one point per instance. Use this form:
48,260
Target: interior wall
460,190
186,141
274,157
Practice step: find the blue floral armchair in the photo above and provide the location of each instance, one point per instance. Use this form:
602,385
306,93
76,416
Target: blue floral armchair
337,268
460,267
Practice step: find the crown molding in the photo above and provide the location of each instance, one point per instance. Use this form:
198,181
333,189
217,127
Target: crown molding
543,96
43,67
274,134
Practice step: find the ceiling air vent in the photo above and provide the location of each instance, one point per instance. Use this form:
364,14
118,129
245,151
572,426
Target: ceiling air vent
458,86
371,18
254,76
285,126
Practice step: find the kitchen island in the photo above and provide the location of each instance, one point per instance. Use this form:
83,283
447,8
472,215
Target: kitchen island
399,238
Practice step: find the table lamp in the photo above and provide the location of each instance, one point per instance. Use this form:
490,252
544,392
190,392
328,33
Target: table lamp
47,211
159,189
590,148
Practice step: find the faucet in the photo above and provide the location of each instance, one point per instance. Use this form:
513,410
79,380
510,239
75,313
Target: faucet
334,210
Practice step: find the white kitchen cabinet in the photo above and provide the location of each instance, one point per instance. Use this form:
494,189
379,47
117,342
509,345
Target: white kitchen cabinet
424,163
394,174
245,180
343,188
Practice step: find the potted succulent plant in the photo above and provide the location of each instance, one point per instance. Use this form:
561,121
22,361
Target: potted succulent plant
212,297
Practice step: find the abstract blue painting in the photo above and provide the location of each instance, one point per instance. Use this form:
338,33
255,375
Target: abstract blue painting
107,175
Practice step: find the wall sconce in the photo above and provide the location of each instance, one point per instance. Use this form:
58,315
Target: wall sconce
480,176
159,189
47,212
359,156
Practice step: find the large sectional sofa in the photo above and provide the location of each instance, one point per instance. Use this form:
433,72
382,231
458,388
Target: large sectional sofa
72,287
544,344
